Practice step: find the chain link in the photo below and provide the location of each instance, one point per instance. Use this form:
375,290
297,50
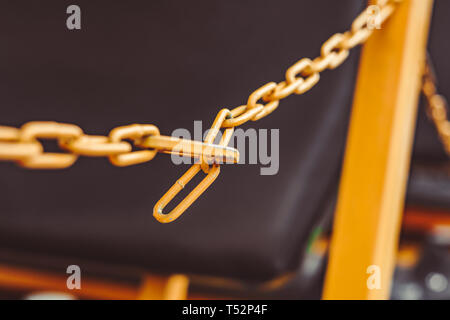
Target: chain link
23,146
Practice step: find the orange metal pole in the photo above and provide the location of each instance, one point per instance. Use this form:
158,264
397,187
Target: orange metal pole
375,172
174,287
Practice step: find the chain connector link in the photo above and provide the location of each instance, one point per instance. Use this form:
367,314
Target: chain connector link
32,131
191,197
211,175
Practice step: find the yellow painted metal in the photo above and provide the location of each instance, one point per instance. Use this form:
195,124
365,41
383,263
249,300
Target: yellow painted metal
174,287
375,171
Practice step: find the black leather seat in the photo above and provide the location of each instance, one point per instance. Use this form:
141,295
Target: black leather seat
169,63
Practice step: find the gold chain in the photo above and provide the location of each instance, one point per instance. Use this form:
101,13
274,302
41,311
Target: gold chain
22,145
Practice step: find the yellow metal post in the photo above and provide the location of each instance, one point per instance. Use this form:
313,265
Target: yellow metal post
375,172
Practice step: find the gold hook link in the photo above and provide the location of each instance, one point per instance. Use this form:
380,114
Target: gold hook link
211,175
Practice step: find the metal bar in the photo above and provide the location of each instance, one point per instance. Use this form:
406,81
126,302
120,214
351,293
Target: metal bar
375,172
190,148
